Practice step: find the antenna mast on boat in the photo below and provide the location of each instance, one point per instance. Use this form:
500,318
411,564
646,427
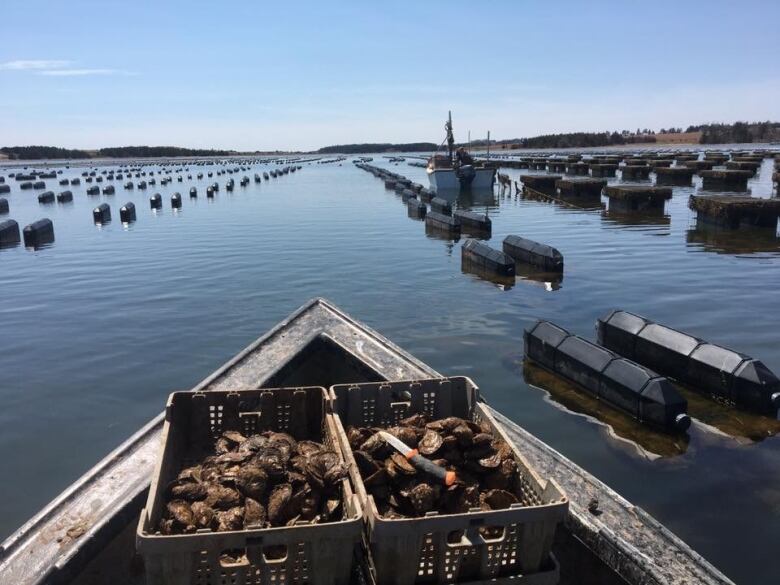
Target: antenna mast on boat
450,137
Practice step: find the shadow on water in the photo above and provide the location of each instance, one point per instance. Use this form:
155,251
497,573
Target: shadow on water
566,394
502,282
739,241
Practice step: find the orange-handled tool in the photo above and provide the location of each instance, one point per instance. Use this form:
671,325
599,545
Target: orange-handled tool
419,462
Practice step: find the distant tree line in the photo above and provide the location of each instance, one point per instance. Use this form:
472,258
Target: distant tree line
584,139
42,152
159,151
379,147
53,152
738,132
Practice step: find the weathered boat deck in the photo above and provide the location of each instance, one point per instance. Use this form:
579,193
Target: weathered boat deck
86,535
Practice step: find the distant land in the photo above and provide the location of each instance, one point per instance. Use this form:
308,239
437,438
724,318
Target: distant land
53,152
378,147
736,133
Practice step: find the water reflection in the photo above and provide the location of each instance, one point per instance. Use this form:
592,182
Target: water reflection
502,282
736,423
581,203
726,241
551,281
655,217
623,426
470,198
439,234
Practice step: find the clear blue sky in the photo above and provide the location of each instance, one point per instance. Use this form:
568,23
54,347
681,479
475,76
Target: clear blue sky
252,75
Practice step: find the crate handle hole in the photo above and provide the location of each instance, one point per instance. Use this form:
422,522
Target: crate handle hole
276,553
234,557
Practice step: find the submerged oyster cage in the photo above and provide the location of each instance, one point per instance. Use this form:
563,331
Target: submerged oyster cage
316,554
450,548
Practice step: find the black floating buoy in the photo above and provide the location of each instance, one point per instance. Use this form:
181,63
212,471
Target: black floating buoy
9,232
46,197
193,192
93,190
102,213
5,188
210,192
127,212
75,181
64,197
155,201
176,201
38,233
39,185
3,205
108,190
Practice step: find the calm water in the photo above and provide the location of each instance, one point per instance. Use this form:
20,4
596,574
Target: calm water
99,328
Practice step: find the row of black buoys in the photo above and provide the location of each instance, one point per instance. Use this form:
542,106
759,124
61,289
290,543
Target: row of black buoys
416,208
440,205
46,197
9,232
38,233
536,254
737,378
127,212
487,259
102,213
618,381
442,223
472,222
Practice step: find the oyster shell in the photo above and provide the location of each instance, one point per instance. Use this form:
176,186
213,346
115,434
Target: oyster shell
232,519
430,443
277,504
254,514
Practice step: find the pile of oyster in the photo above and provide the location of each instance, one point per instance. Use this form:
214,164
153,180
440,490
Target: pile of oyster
486,472
264,480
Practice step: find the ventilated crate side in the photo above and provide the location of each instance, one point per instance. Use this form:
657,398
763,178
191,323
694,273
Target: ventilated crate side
313,554
424,550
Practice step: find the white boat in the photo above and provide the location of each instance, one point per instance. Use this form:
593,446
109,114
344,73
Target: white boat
457,170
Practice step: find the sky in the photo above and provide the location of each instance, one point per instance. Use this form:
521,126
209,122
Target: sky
302,75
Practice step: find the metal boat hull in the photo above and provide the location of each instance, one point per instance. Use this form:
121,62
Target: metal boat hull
448,179
321,345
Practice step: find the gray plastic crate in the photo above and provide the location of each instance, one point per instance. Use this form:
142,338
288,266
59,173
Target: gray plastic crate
418,550
313,554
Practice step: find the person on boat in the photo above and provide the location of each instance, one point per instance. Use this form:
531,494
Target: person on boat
463,157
